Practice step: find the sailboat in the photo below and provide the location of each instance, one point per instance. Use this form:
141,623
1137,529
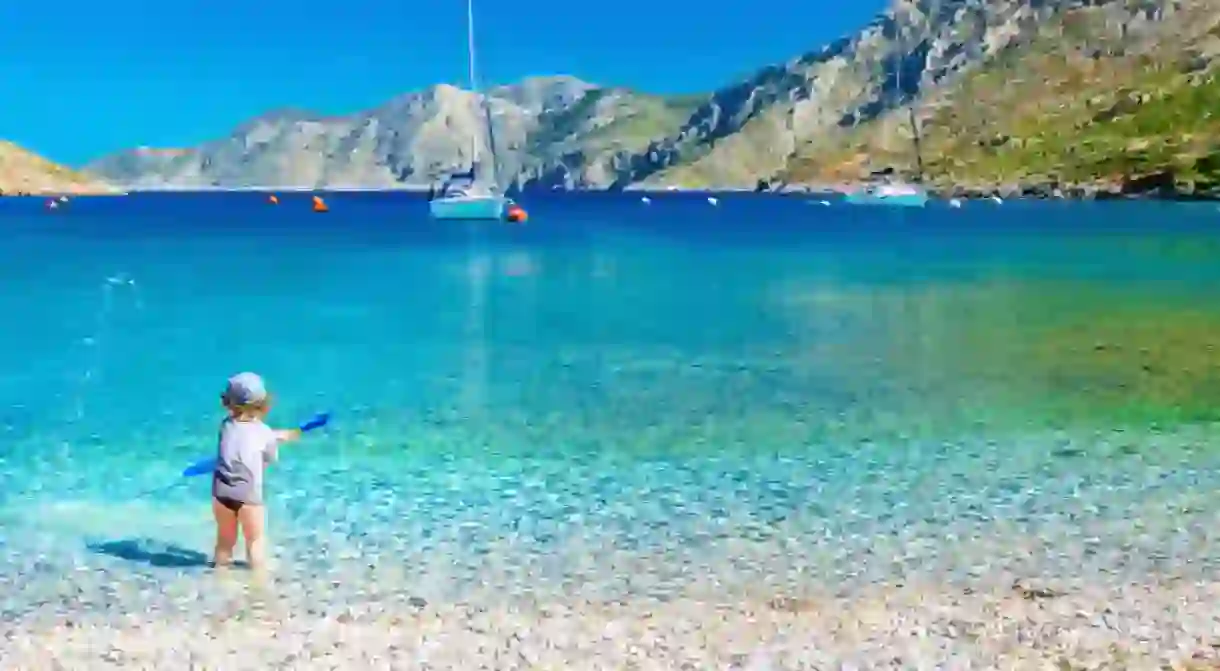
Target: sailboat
889,193
896,192
463,195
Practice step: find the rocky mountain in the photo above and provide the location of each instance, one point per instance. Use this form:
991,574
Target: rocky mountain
833,113
22,172
1102,95
920,52
547,129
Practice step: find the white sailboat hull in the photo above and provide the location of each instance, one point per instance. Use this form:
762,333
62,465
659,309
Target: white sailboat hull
488,207
912,197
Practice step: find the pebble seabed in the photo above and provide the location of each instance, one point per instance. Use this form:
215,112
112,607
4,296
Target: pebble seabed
984,556
904,627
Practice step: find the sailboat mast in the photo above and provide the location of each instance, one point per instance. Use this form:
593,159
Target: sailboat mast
913,121
901,97
897,65
474,82
486,108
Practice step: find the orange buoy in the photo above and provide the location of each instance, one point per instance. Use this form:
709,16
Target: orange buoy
516,214
319,205
273,199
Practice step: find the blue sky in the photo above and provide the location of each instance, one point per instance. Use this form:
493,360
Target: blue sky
80,79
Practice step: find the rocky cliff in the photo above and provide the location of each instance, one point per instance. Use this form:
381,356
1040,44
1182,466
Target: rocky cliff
548,130
1101,95
22,172
833,113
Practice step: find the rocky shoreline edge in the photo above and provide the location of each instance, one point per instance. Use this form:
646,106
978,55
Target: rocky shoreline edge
55,193
1139,189
1152,187
1161,186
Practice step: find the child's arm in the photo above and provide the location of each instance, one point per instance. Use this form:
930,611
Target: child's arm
287,435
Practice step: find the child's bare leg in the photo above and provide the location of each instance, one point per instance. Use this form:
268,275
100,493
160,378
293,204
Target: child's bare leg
253,519
226,533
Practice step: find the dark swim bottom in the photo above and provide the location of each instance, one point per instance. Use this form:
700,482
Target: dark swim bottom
231,504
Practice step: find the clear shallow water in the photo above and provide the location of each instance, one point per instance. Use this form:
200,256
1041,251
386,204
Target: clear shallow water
615,399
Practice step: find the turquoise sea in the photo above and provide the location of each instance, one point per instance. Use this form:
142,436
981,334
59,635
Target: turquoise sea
770,395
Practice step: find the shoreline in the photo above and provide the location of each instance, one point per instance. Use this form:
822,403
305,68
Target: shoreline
1133,189
1078,192
1032,191
1013,625
56,193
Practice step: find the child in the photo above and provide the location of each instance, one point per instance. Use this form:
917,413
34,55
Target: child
247,445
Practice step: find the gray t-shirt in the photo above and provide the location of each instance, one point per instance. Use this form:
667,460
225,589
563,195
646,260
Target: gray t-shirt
246,447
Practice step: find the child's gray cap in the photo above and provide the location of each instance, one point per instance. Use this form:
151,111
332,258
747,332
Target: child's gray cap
245,388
